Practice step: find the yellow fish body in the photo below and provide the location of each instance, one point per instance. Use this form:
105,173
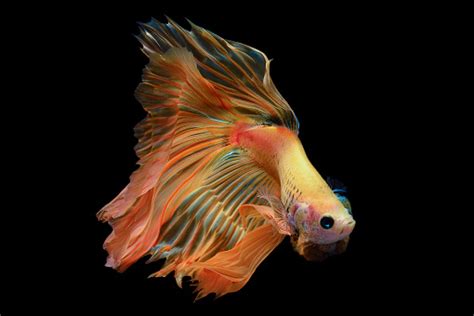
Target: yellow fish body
222,175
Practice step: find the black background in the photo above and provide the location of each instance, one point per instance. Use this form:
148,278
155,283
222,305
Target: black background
356,78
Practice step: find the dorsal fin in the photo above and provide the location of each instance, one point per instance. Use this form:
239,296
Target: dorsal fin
235,69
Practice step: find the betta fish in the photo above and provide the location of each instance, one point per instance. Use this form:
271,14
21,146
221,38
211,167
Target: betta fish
222,175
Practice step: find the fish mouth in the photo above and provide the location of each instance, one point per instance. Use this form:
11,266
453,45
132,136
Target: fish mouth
319,252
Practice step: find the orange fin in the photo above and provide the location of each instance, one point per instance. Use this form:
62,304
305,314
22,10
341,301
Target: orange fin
234,69
206,217
230,270
165,148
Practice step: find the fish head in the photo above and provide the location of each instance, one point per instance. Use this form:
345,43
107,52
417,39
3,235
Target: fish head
322,228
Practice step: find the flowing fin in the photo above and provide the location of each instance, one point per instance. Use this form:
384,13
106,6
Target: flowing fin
230,270
183,201
234,69
206,216
169,146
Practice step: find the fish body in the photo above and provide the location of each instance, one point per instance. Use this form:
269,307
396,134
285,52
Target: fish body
308,198
222,176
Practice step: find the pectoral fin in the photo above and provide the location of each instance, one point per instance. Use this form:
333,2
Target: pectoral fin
248,211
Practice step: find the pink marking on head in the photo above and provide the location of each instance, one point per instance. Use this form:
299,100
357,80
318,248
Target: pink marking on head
312,214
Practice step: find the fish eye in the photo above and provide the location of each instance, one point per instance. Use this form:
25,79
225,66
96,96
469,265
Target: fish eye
326,222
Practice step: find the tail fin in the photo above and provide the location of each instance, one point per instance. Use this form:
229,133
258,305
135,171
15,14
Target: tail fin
174,136
182,203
